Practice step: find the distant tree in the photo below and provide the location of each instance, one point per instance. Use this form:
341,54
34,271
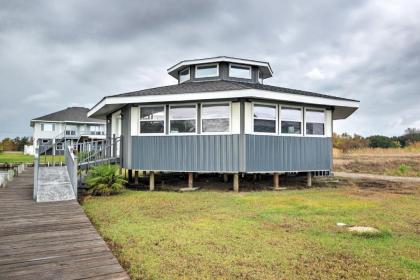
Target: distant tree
380,141
411,136
348,142
8,144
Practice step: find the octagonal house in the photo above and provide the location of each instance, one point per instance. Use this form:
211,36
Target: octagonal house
221,117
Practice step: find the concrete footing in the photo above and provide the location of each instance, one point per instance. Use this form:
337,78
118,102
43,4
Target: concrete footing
151,180
309,179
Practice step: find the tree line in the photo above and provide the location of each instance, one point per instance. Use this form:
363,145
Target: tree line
347,142
15,144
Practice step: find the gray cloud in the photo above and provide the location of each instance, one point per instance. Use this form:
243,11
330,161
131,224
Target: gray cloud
56,54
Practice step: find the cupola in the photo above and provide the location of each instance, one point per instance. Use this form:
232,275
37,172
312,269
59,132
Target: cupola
221,68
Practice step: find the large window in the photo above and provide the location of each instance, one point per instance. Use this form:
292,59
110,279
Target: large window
47,127
240,71
184,75
291,120
215,118
315,122
265,118
209,70
183,118
152,119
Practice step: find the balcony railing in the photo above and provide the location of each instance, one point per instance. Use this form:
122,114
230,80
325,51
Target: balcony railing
84,132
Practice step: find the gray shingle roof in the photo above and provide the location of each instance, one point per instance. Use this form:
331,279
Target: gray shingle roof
70,114
220,85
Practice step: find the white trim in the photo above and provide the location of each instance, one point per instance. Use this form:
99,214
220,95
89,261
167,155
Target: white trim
325,122
184,119
140,120
242,66
245,93
206,65
66,122
253,118
189,75
221,59
229,103
301,121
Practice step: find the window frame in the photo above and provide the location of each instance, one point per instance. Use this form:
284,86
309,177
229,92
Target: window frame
208,64
47,123
215,103
196,119
302,122
325,121
140,120
243,66
189,75
277,118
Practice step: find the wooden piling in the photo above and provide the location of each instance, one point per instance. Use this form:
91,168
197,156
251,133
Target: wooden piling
151,180
190,180
136,177
276,180
225,177
309,179
236,182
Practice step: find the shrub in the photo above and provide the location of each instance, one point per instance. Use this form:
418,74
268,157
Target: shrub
403,168
105,180
380,141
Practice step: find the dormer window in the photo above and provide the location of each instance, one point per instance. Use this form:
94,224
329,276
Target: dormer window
184,75
208,70
240,71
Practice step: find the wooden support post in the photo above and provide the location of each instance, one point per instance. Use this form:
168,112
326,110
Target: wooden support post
254,177
236,182
309,179
130,175
276,180
151,181
136,177
225,177
190,180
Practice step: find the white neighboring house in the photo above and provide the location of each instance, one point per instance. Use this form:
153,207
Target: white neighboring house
70,125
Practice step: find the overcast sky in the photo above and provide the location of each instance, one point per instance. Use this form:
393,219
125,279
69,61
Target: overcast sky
56,54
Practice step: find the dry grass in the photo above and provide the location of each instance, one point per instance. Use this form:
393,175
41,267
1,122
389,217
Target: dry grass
291,234
394,162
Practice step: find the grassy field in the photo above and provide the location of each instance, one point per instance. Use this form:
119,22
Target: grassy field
213,234
394,162
19,157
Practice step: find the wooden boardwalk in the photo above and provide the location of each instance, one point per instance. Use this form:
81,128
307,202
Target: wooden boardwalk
51,240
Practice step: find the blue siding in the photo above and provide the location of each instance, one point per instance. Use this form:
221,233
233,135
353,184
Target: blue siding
205,153
287,153
231,153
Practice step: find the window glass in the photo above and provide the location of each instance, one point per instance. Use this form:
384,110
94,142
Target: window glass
184,75
152,127
152,119
291,127
265,117
48,127
264,111
183,112
291,114
183,118
206,71
240,71
215,117
315,122
267,126
152,113
291,120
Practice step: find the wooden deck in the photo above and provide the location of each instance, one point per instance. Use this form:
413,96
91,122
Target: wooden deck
52,240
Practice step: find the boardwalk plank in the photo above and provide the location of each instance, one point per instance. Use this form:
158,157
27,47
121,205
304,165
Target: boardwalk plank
53,240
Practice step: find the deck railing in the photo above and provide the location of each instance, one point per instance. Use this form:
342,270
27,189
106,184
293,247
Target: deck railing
71,165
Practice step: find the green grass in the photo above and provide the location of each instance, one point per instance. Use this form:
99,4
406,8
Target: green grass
19,157
261,235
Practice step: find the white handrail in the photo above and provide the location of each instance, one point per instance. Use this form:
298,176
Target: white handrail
71,165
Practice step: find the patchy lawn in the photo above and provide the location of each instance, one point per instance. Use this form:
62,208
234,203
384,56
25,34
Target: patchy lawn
19,157
290,234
